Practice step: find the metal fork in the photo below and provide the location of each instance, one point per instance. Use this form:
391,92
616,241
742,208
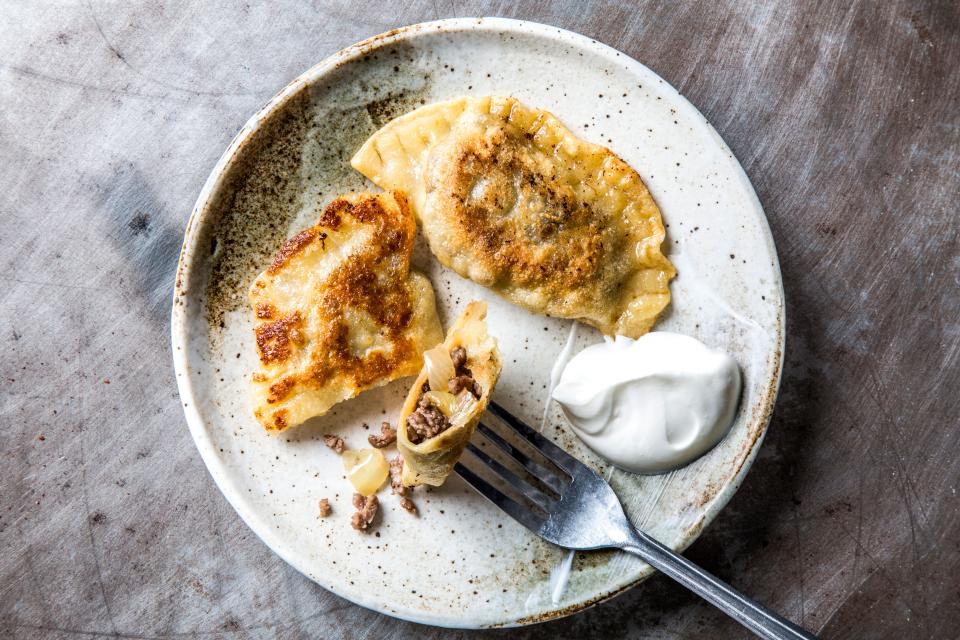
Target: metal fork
571,506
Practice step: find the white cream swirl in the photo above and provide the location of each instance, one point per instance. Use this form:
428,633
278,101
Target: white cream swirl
652,404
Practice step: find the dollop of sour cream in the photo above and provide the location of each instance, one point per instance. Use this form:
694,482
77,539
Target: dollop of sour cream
653,404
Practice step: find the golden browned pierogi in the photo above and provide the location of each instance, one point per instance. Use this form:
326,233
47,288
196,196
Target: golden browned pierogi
510,198
339,311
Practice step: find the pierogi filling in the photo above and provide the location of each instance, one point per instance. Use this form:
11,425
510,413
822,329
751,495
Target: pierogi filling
447,397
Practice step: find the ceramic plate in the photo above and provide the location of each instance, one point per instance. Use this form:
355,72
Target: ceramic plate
462,562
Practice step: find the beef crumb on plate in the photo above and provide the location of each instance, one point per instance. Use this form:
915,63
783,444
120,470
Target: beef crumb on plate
386,437
366,507
334,442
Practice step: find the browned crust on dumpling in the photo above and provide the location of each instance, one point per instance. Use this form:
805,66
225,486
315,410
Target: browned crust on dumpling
276,340
292,247
309,348
510,198
563,246
357,285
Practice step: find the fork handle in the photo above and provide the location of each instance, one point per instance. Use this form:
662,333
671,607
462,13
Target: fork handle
754,616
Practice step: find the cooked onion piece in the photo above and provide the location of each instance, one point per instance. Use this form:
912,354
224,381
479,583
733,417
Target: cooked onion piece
366,469
439,367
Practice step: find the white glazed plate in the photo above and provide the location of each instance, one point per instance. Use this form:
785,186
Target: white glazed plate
461,562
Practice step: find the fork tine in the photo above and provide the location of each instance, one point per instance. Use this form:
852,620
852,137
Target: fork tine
512,479
524,516
543,444
538,471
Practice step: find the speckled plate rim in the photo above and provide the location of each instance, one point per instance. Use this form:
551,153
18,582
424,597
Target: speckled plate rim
761,412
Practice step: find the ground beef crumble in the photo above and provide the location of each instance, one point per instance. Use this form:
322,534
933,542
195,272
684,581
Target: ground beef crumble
464,377
388,435
334,442
461,382
425,422
396,485
324,508
366,511
459,357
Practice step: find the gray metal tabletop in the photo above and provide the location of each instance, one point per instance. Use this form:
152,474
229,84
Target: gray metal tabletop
112,114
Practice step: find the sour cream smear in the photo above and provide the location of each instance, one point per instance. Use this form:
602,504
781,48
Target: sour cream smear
652,404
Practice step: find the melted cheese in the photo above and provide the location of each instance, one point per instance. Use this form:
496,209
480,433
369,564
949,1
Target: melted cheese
339,310
511,199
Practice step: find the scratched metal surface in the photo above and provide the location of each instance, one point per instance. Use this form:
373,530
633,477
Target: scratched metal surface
111,115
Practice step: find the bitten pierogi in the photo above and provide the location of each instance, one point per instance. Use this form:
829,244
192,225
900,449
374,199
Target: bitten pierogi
448,398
